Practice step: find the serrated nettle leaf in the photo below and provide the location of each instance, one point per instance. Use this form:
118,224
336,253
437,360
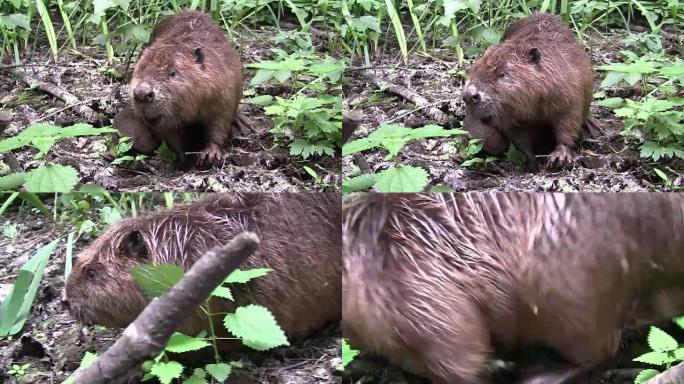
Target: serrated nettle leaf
256,326
289,64
679,354
348,353
679,321
611,102
282,76
51,179
646,375
223,292
262,76
632,78
359,183
180,343
611,79
403,178
260,100
220,371
156,280
88,360
166,372
660,341
655,358
243,276
394,145
358,145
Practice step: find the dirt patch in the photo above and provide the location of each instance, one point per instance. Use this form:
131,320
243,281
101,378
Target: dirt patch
254,160
53,343
607,162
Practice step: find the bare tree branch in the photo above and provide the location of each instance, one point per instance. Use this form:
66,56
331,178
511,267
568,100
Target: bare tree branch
72,101
435,113
148,334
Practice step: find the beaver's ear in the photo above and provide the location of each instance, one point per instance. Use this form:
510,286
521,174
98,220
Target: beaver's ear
133,245
199,56
534,55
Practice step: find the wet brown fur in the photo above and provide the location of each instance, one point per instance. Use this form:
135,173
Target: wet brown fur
300,242
432,281
540,106
196,92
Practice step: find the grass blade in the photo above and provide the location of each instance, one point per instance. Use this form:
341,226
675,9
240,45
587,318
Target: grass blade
47,24
9,310
398,28
35,265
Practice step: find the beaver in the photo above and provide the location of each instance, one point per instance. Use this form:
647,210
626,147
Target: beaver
300,242
351,120
185,89
437,282
534,89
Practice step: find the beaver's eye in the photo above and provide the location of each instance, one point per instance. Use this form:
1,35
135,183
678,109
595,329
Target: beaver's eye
91,274
501,75
172,73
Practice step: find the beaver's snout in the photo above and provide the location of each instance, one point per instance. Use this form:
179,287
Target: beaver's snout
143,93
471,95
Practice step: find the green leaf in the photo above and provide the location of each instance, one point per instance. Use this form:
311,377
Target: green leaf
198,377
156,280
52,178
223,292
679,354
36,265
645,375
358,145
260,100
660,341
611,102
654,358
348,353
441,188
220,371
13,181
166,372
180,343
611,79
261,77
256,326
88,360
359,183
403,178
240,276
9,309
679,321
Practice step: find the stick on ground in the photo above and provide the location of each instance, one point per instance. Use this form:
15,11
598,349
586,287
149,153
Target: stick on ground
433,112
83,110
148,334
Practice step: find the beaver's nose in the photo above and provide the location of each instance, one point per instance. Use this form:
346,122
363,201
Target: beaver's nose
471,95
143,93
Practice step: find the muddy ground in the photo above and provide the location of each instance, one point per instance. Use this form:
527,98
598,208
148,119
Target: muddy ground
254,160
607,162
53,343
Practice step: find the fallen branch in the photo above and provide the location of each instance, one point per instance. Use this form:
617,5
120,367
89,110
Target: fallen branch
434,113
674,375
147,335
72,101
